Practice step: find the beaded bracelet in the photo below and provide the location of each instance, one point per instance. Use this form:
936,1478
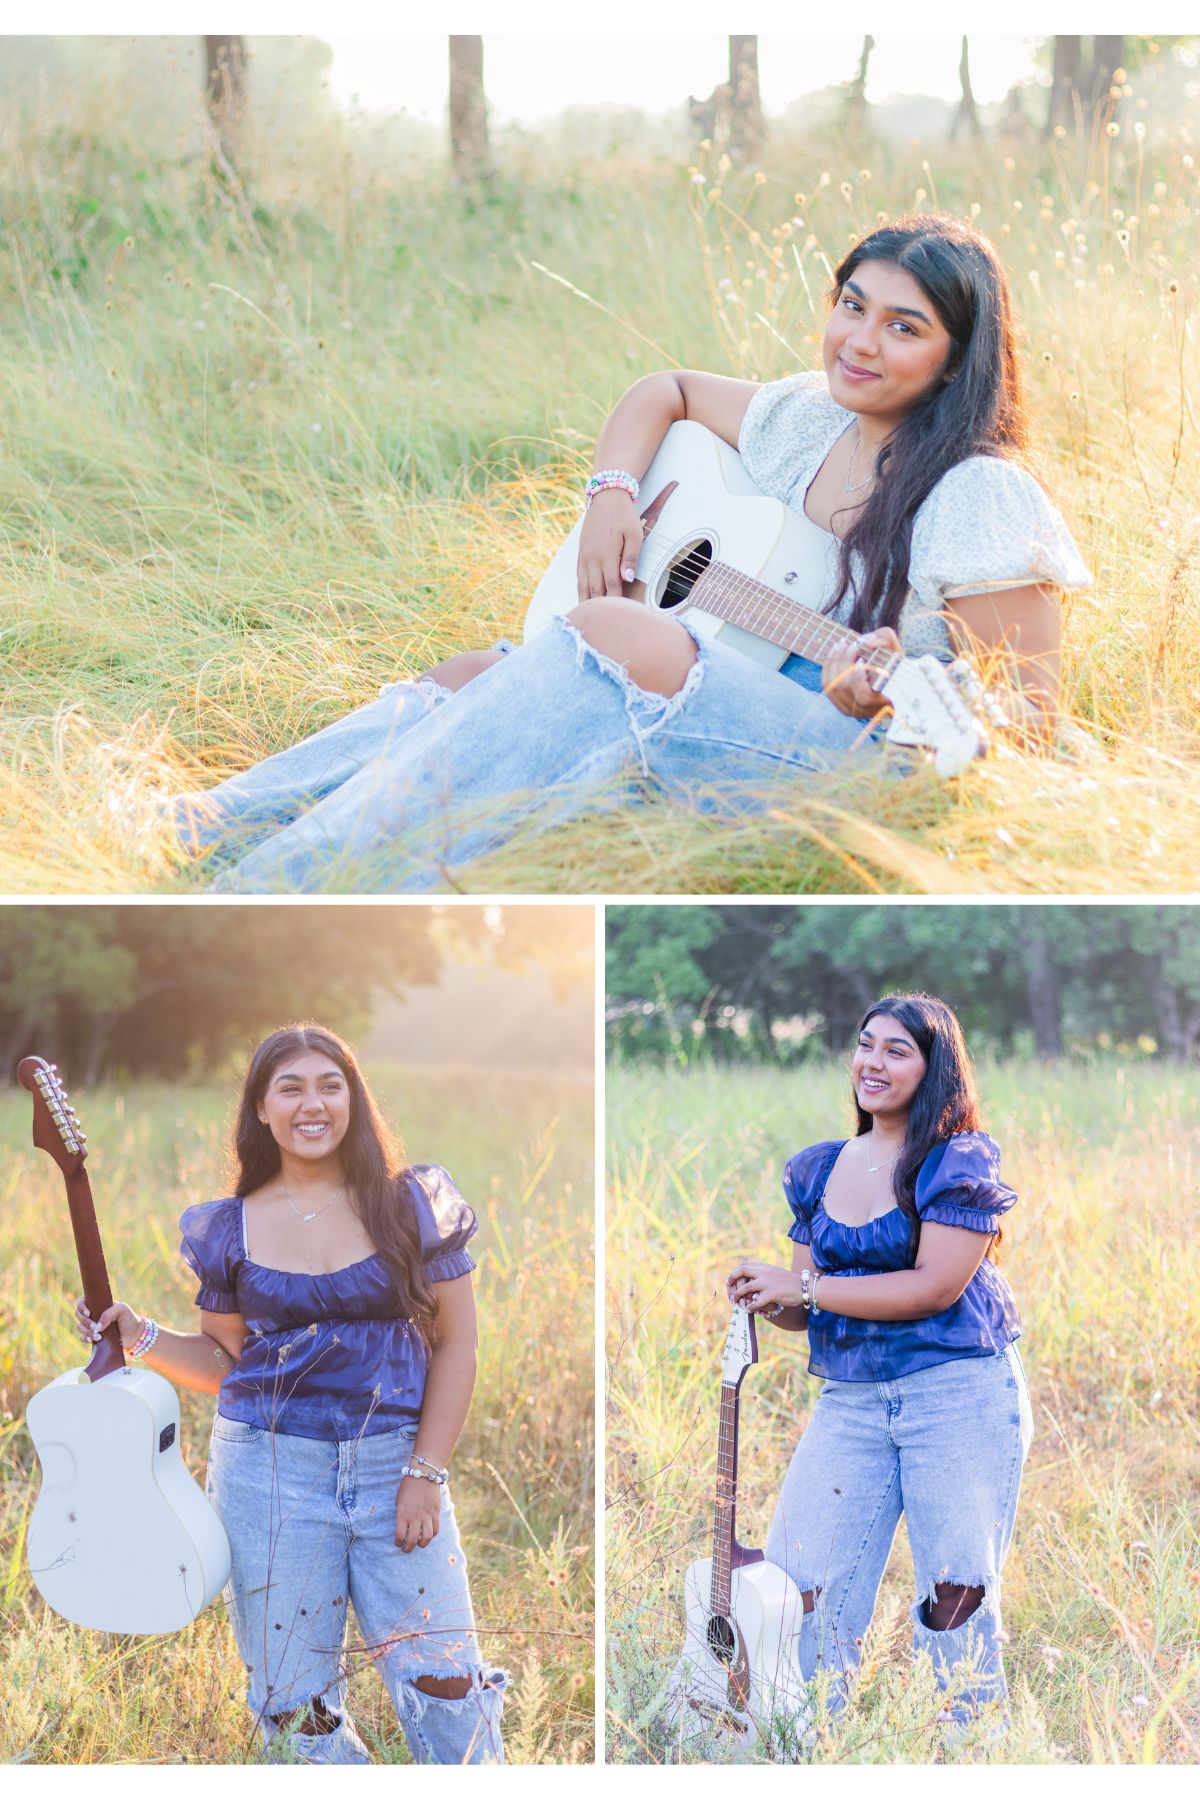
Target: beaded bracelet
144,1341
438,1480
442,1474
612,478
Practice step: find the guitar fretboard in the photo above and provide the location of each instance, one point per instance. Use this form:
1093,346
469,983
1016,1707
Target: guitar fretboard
741,600
725,1503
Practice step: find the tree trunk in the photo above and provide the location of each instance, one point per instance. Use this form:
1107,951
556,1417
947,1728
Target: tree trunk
1041,986
1066,82
747,131
966,119
225,59
1014,122
470,149
856,102
1108,54
1177,1023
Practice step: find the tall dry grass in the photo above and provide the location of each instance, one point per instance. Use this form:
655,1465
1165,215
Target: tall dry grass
277,434
1101,1590
523,1474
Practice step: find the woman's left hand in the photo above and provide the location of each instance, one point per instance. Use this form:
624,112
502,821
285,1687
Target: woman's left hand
845,682
418,1513
760,1286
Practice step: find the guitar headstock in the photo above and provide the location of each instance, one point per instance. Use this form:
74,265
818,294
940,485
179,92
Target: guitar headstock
741,1347
930,712
56,1127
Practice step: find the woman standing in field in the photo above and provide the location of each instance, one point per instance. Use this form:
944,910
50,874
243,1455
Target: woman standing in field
924,1409
338,1330
906,454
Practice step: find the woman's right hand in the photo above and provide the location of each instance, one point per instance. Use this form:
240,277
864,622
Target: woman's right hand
129,1323
609,544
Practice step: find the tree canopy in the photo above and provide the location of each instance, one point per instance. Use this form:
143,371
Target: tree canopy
174,990
779,981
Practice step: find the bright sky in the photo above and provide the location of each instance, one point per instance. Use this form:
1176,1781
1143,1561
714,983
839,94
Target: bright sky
533,77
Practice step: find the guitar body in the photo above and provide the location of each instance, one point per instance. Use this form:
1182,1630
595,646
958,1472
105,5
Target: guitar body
121,1538
715,512
737,1675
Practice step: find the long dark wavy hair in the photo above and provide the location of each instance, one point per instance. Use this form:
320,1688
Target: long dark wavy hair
946,1102
374,1165
974,406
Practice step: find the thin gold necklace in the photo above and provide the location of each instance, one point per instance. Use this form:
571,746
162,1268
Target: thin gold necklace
856,487
304,1217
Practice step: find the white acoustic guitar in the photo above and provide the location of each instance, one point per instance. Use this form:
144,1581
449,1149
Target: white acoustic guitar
753,573
121,1537
738,1676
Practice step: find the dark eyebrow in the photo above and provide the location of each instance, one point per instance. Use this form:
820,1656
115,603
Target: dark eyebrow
293,1075
906,312
907,1042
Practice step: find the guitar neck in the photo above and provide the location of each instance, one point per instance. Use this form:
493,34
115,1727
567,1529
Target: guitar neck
108,1354
741,600
725,1503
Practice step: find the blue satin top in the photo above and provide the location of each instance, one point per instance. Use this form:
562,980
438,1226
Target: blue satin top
958,1184
325,1356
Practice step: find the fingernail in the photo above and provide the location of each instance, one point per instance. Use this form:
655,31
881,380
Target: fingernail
628,574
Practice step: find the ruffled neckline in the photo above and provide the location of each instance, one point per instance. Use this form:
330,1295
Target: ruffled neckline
238,1202
840,1224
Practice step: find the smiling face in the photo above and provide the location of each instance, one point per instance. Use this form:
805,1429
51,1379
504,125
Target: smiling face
886,1068
885,346
306,1106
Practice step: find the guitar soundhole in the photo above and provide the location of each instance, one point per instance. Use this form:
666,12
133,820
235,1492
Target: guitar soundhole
684,573
721,1640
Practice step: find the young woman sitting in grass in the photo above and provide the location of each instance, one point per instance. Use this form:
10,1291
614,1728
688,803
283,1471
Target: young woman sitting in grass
906,452
924,1409
337,1327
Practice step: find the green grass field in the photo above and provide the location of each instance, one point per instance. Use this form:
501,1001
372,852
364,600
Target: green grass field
1102,1588
521,1151
272,440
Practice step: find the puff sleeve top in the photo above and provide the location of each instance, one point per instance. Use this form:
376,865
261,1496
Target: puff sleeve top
958,1184
986,525
325,1356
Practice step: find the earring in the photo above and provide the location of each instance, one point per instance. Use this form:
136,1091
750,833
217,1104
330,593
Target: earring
262,1118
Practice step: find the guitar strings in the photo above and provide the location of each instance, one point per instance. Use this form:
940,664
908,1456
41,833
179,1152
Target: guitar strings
816,625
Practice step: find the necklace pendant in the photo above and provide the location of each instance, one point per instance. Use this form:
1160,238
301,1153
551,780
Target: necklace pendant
307,1216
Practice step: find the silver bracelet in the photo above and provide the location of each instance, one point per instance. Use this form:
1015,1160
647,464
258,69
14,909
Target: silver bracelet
442,1474
423,1475
816,1277
806,1289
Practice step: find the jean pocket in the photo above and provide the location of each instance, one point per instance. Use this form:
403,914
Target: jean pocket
236,1431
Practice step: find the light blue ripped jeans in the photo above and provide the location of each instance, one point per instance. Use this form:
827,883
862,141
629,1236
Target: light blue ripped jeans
396,797
945,1446
312,1527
